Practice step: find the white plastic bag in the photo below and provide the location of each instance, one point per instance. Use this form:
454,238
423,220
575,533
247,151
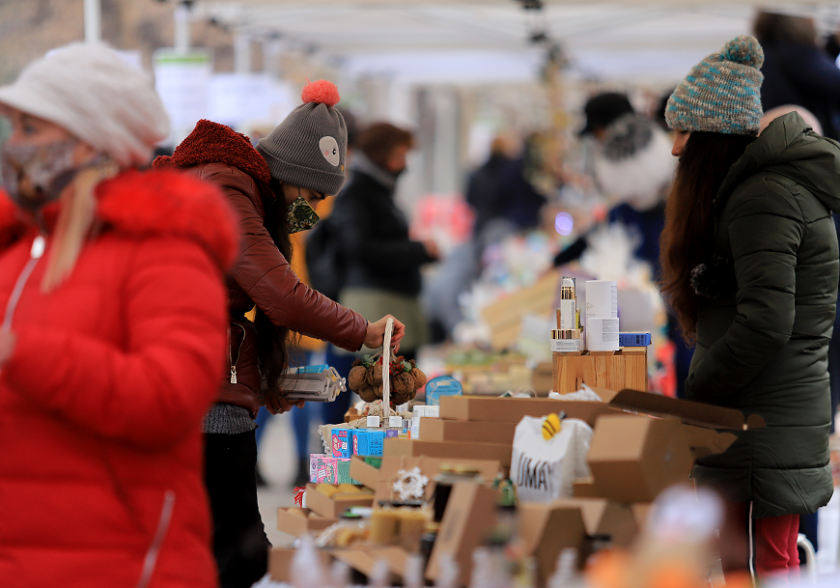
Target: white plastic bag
542,470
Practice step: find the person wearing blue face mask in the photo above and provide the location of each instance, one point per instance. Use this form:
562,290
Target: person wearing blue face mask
275,189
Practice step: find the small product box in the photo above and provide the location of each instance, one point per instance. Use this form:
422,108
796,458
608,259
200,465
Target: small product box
329,469
342,443
633,339
367,442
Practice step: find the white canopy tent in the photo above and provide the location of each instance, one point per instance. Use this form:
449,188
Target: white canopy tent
481,41
460,71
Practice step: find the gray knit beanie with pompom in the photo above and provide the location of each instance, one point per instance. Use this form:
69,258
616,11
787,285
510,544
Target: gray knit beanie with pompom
722,93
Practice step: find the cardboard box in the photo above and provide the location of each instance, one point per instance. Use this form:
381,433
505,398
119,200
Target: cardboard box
363,558
470,515
686,411
280,563
465,431
584,488
547,529
333,507
366,474
632,459
640,513
330,470
447,449
605,517
296,525
429,467
512,410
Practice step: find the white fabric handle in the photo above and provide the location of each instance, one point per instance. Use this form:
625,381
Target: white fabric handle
386,369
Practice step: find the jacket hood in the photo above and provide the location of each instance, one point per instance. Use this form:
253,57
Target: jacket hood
155,202
790,148
212,142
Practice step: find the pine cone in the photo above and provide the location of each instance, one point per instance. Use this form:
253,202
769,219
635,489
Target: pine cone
367,393
419,378
402,383
357,378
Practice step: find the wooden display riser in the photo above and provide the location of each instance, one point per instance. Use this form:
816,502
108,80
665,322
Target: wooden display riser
626,368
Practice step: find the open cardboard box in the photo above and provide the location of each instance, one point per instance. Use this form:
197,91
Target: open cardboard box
363,472
297,526
547,529
280,563
448,450
605,517
363,558
466,431
512,410
470,514
333,507
429,467
686,411
633,459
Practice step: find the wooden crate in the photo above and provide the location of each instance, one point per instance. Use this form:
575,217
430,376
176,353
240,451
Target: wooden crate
504,317
627,368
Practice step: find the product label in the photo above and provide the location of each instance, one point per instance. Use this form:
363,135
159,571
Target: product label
566,345
395,422
373,422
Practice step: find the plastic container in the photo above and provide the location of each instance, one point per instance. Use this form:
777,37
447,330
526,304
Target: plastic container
442,386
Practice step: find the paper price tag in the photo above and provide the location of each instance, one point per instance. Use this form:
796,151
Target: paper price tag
373,422
395,422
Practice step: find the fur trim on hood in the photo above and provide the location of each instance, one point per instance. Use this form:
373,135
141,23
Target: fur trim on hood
156,202
212,142
636,165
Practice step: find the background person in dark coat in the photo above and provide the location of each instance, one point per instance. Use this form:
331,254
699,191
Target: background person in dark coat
380,262
796,70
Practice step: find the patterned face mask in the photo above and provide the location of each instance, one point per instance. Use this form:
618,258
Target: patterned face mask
34,175
301,216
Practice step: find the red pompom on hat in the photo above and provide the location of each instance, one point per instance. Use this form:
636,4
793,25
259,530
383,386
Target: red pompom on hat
320,91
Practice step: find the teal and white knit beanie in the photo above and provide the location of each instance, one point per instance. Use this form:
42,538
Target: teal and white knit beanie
722,93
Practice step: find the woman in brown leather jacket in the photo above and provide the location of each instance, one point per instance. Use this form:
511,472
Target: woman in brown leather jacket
275,189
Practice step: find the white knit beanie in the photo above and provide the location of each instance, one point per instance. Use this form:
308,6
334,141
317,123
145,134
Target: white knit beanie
89,90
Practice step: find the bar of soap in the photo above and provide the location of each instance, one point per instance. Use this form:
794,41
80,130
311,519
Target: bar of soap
348,488
328,490
384,526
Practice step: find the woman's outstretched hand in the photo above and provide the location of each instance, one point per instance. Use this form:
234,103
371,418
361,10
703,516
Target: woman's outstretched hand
278,404
376,333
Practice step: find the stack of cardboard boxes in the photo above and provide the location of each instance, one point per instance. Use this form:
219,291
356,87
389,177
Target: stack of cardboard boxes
641,444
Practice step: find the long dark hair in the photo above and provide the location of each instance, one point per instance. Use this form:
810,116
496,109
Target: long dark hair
686,240
274,355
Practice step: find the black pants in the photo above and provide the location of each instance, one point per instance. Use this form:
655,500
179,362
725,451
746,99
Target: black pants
239,541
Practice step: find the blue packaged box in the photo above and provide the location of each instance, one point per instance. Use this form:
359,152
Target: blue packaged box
633,339
368,442
342,443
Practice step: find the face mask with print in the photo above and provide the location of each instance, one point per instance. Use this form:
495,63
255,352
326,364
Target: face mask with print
35,175
301,216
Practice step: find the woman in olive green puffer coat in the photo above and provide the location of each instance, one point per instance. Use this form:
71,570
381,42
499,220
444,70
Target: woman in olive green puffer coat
750,265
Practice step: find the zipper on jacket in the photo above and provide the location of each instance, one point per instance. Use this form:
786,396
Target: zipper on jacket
39,244
150,561
233,378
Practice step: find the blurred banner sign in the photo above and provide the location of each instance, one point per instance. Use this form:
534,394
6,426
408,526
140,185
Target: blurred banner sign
183,80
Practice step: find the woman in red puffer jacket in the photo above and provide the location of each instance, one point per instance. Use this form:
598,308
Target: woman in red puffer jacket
113,337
